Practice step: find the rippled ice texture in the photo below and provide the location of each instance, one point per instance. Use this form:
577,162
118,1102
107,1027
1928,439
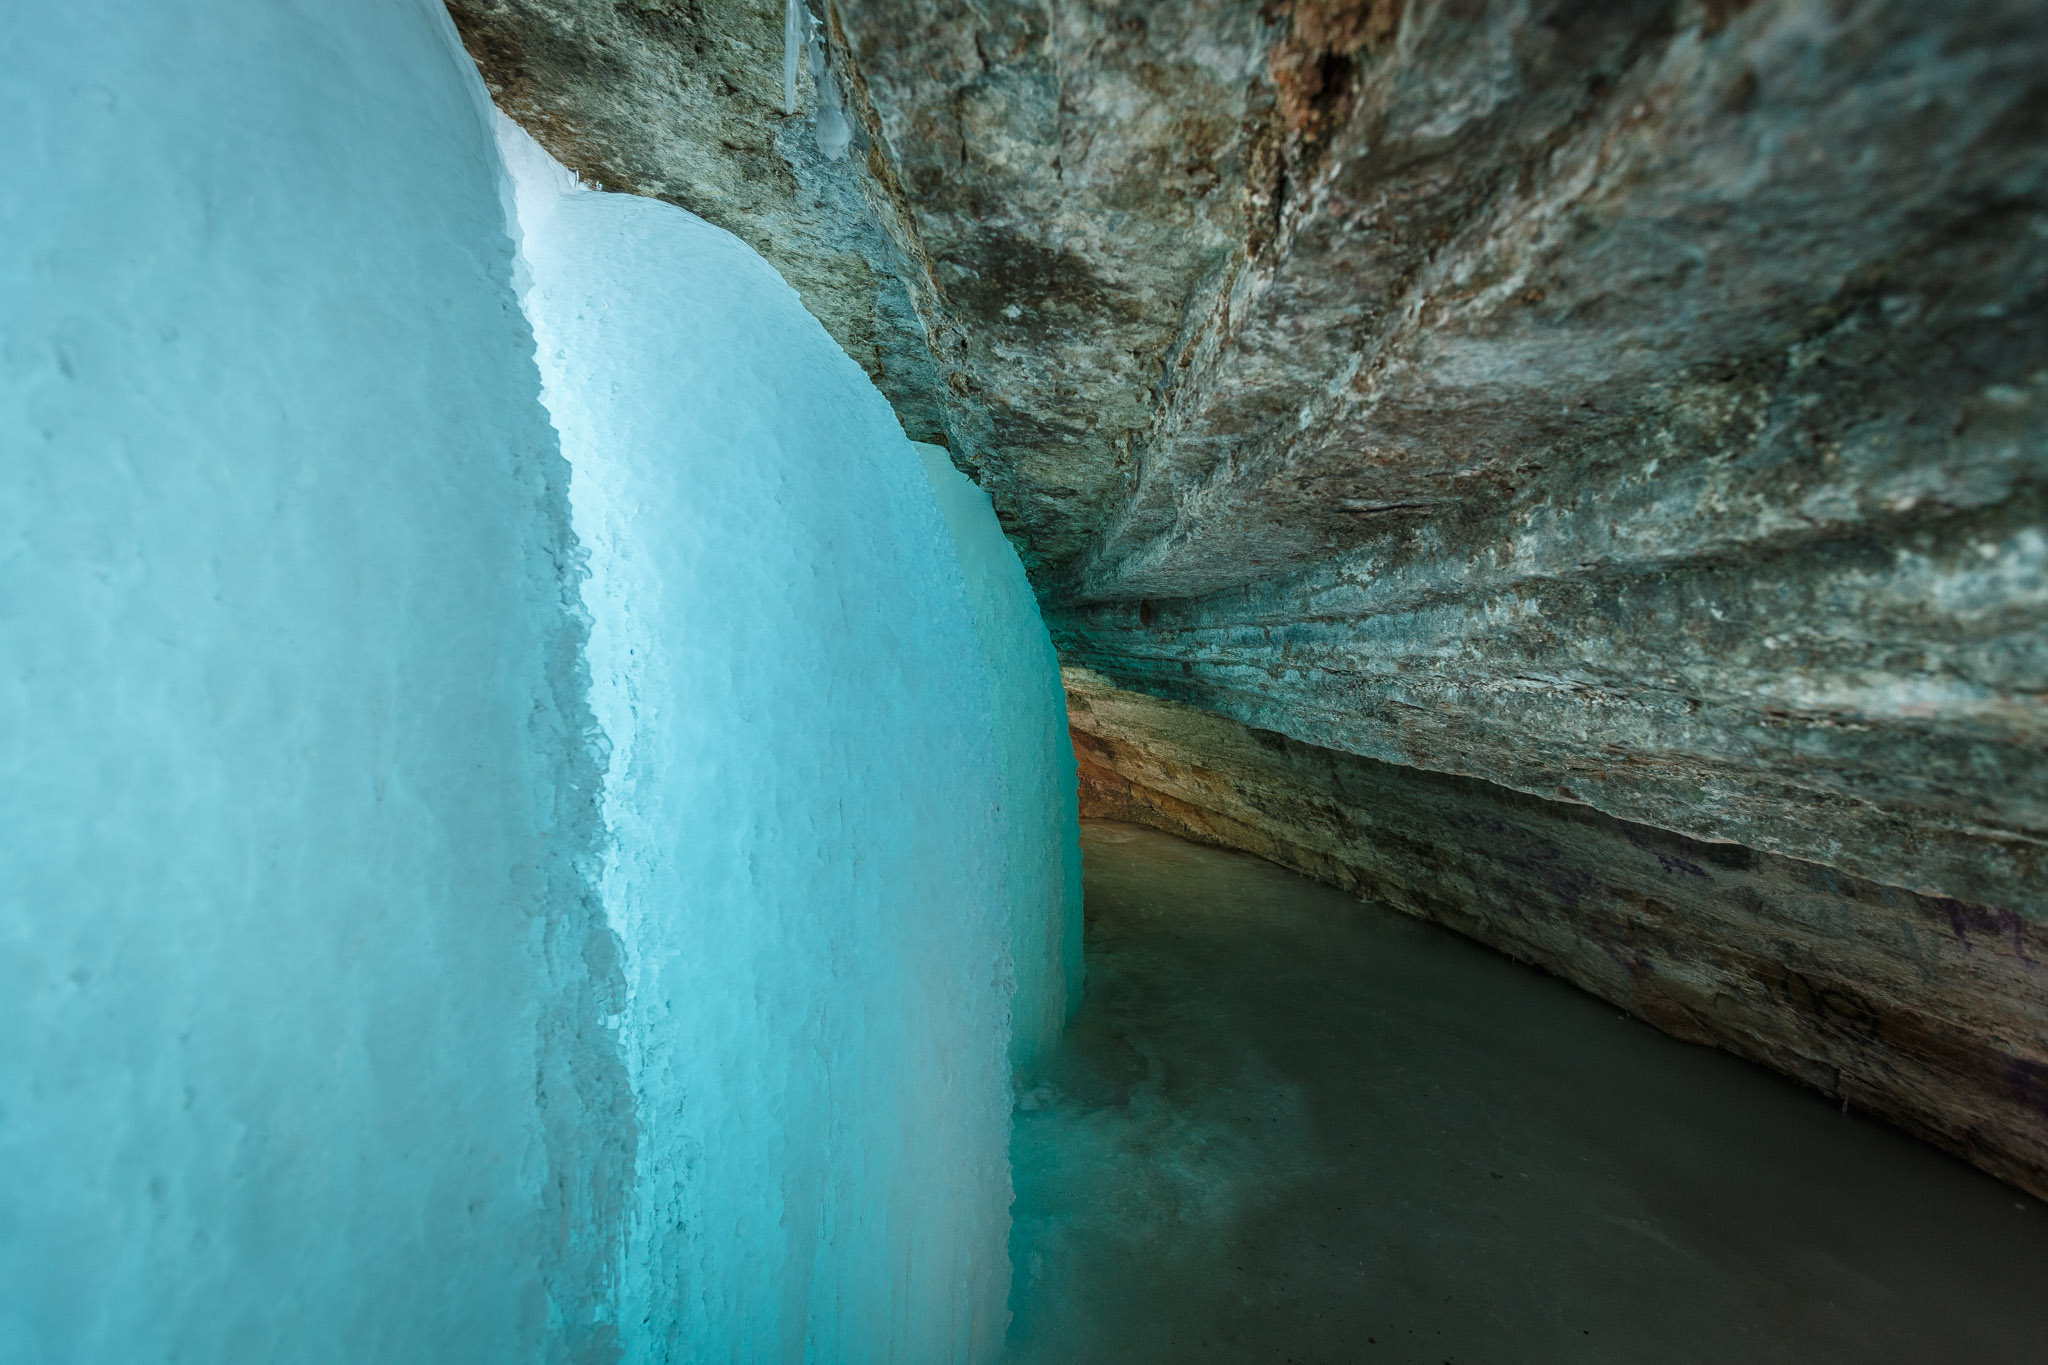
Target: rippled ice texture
1043,835
351,1007
290,950
807,861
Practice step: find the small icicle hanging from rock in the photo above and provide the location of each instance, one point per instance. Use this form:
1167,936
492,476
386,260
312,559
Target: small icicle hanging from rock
834,132
803,37
796,29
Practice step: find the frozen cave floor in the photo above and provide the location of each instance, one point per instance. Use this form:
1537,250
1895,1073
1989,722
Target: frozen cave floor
1289,1126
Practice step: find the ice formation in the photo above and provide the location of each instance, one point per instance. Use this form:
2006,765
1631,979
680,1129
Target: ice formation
806,801
796,32
803,45
290,733
1043,846
413,947
834,129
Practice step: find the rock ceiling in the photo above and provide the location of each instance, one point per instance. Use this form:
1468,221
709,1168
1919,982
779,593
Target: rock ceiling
1633,403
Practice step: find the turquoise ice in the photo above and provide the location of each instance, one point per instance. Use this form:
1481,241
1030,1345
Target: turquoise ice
513,847
1042,840
805,802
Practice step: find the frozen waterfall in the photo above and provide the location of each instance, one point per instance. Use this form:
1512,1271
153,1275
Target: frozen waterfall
805,802
1043,854
467,904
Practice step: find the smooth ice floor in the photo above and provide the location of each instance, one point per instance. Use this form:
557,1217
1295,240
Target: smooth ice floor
1287,1126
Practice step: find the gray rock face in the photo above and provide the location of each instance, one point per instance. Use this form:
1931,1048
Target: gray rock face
1077,175
1686,463
1637,405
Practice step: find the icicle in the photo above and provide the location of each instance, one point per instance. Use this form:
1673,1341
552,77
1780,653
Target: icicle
833,130
796,29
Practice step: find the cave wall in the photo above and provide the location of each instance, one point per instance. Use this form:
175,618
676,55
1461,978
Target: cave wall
1637,408
1927,1010
1697,473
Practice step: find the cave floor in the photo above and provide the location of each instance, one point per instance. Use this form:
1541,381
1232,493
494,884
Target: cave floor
1289,1126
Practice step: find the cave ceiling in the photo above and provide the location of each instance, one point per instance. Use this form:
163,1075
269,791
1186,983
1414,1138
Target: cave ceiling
1636,404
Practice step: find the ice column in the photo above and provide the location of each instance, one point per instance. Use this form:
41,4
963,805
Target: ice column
806,805
796,30
292,947
1043,837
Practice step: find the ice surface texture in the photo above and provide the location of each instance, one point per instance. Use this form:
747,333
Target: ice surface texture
806,802
1043,838
414,948
292,950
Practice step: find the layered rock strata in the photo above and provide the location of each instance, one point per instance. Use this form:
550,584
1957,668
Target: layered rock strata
1929,1011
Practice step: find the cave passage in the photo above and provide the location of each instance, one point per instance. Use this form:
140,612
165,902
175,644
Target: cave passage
1286,1125
569,568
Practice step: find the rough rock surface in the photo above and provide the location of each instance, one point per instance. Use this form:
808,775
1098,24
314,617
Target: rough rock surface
1659,425
1640,405
1929,1011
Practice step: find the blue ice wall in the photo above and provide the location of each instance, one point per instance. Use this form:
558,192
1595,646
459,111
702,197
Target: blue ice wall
458,909
806,807
292,952
1042,834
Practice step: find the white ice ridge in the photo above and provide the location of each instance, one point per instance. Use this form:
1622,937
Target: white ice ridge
1044,836
806,803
